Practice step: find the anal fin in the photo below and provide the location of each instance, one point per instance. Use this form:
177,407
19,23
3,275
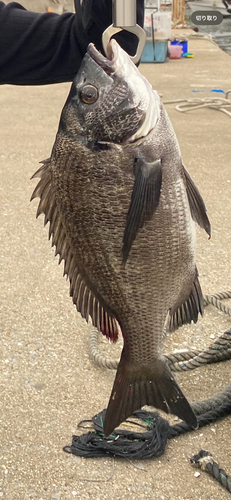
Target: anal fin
187,311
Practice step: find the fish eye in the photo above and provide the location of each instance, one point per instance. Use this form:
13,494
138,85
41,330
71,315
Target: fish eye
89,94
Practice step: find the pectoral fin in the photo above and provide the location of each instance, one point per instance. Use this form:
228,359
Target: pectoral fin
196,203
144,200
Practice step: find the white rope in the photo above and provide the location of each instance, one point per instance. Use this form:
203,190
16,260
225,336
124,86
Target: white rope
215,300
217,103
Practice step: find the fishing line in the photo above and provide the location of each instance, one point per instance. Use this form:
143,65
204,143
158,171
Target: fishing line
146,433
152,440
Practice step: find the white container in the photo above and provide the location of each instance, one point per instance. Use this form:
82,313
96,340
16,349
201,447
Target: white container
162,25
152,4
158,23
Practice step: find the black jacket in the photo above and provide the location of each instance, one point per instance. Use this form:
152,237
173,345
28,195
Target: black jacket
37,49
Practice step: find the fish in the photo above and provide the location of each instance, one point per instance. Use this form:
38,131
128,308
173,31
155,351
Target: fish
122,209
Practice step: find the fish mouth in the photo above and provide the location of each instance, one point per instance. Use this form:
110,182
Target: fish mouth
114,65
108,64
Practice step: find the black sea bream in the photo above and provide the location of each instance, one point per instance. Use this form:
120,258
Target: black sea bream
121,208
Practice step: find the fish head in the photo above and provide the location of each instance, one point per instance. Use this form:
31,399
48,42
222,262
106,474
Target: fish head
110,100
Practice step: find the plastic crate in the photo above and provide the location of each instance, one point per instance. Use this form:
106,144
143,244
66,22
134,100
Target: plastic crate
156,52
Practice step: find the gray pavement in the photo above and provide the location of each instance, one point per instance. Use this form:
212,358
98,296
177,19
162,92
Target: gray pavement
48,383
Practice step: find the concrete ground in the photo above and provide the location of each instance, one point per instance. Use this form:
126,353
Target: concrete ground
48,382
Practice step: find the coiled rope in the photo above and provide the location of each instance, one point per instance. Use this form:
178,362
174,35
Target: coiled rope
219,350
217,103
151,442
156,431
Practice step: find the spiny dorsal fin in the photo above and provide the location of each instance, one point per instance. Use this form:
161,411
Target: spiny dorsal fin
144,200
189,310
197,205
84,299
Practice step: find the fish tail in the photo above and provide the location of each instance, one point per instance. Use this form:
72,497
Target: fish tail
137,385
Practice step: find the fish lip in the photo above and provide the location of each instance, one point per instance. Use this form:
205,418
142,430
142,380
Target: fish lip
107,64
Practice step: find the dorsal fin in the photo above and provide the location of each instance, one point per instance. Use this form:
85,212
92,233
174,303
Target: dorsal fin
84,299
196,203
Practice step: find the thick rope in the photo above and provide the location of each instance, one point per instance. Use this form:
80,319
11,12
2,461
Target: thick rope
215,300
94,352
219,403
204,461
151,442
220,350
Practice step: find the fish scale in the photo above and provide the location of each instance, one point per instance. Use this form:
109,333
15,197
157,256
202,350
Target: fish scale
121,208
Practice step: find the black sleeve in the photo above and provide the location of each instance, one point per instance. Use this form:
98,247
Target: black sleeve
37,49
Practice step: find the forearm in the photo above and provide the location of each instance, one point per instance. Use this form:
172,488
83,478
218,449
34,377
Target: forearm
37,48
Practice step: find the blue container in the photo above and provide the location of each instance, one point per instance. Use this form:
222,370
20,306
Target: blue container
183,44
156,52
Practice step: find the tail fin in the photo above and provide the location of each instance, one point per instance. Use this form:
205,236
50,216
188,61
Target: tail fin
139,385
